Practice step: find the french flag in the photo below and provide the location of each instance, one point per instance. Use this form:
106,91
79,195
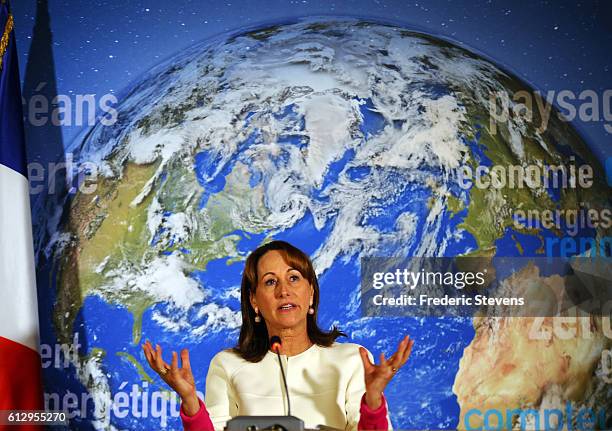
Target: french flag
20,366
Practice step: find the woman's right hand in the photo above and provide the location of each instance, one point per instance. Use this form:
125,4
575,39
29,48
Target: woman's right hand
180,379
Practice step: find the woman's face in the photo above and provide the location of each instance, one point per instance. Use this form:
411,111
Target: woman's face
283,296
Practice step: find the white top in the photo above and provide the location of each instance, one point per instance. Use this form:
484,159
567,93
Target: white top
325,386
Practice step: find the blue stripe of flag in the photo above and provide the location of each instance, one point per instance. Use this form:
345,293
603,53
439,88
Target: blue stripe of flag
12,144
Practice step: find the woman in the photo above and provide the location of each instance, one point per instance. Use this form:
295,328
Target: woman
330,383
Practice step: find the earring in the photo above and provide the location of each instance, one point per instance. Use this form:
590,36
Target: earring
311,310
257,317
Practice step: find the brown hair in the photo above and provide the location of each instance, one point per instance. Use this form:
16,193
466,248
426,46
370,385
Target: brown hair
253,343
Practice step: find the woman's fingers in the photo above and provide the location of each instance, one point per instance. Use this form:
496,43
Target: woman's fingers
149,354
404,346
367,365
174,366
395,359
170,373
408,352
159,362
383,361
400,357
185,359
405,351
150,351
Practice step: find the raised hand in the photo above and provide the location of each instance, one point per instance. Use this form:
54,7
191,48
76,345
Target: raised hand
180,379
378,376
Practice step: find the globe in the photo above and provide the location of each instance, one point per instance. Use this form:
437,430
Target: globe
342,136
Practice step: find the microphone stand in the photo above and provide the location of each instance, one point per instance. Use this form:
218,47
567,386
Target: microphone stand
280,362
269,423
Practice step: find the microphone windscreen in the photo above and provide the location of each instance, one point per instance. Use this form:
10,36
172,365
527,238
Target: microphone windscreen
275,343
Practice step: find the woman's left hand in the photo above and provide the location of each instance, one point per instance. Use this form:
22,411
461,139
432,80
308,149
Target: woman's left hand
378,376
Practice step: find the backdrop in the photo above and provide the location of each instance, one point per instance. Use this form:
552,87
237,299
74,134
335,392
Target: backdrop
168,139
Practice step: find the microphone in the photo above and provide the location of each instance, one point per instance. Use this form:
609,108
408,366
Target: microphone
269,423
275,344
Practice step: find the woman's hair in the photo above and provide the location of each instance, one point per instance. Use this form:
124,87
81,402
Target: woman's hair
254,342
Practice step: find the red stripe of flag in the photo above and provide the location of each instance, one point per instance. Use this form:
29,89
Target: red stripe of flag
20,380
20,366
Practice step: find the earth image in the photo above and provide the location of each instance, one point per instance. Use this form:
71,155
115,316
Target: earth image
345,138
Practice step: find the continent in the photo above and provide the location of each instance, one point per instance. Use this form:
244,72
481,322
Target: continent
519,144
530,362
107,232
139,227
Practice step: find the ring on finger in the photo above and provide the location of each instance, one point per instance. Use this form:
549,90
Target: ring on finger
163,370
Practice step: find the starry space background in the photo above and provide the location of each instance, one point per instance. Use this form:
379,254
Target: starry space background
103,46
